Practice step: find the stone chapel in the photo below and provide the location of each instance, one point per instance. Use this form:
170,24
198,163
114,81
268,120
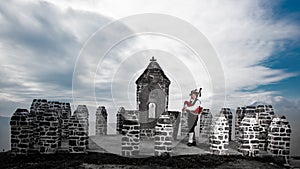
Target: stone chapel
152,94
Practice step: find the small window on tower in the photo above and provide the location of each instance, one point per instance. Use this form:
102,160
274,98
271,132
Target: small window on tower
151,110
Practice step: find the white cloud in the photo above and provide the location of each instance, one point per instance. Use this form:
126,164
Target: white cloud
40,41
243,33
39,46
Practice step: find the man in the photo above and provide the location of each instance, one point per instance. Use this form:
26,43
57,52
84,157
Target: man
193,108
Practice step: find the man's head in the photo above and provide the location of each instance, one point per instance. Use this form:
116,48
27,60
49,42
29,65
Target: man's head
194,94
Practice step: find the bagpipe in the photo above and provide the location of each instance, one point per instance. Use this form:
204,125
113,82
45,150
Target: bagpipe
199,109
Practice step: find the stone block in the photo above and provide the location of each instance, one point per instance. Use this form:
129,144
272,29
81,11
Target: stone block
163,137
249,132
219,135
130,138
278,139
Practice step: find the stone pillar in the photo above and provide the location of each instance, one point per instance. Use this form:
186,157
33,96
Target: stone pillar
21,133
120,120
37,109
228,114
130,135
66,110
184,123
101,121
205,124
264,115
219,136
49,124
57,107
175,120
65,115
249,132
49,132
279,135
163,136
239,115
78,130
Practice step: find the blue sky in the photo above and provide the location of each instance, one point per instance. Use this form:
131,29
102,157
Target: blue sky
288,7
256,42
289,58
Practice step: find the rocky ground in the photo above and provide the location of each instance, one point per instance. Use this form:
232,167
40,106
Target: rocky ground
107,160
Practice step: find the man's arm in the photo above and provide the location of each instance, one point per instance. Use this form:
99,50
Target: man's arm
194,107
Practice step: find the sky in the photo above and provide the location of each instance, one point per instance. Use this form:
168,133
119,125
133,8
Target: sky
91,52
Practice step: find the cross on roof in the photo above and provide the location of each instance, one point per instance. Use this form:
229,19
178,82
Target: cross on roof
152,59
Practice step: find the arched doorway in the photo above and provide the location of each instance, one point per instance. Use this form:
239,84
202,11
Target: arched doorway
151,110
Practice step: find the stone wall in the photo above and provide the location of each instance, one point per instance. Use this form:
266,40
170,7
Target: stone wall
64,124
274,131
175,120
264,116
101,121
120,120
21,133
218,139
37,109
248,136
205,124
49,132
130,134
148,129
184,124
47,127
147,125
239,115
250,110
78,130
279,134
228,115
147,133
64,112
163,136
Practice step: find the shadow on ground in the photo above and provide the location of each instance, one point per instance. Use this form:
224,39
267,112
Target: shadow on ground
107,160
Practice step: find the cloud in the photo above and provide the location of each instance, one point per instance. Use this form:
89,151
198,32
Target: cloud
244,34
40,42
38,49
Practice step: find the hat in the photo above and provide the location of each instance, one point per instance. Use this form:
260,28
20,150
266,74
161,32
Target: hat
196,92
